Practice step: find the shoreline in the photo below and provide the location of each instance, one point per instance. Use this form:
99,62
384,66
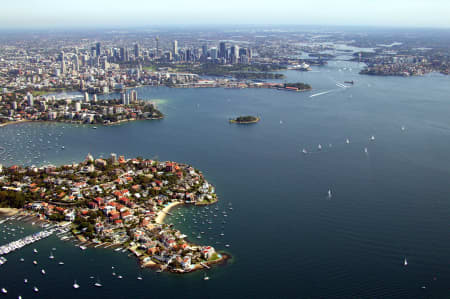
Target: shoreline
163,213
15,122
8,212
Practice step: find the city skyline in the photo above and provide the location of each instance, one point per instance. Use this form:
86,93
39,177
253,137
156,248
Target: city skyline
83,13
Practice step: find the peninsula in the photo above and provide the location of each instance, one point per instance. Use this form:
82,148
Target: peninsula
15,108
245,119
117,202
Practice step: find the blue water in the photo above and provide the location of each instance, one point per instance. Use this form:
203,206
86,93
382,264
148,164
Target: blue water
288,239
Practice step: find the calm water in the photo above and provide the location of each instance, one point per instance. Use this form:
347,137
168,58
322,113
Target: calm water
287,238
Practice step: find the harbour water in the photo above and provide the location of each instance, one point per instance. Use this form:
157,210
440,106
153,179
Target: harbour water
288,238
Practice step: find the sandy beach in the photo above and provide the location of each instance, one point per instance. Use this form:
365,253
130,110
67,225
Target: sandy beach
14,122
163,213
8,211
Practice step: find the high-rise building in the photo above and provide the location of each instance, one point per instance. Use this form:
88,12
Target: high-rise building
76,63
133,96
157,47
122,54
127,55
205,50
175,47
125,99
98,49
14,105
214,53
30,99
77,107
94,98
234,54
63,63
137,52
223,50
86,97
113,158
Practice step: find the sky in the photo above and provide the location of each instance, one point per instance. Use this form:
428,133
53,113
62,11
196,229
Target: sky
132,13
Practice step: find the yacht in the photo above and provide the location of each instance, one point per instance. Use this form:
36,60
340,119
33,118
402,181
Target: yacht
43,271
205,277
304,151
372,138
21,259
319,147
34,262
120,277
139,278
25,280
35,250
329,193
61,263
403,128
83,247
365,150
51,256
75,285
347,141
4,291
227,245
98,284
35,289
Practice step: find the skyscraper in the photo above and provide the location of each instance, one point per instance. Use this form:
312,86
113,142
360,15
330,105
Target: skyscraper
214,55
222,50
175,47
157,46
133,96
98,48
63,63
234,54
76,63
30,100
205,50
122,54
137,52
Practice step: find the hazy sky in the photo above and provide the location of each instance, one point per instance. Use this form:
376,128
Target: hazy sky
123,13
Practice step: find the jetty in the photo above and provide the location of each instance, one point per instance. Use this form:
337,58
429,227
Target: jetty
16,245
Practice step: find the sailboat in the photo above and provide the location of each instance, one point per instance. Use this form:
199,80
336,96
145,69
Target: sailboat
304,151
365,150
35,289
372,138
347,141
4,291
98,284
329,193
405,262
43,271
205,277
51,256
319,147
75,285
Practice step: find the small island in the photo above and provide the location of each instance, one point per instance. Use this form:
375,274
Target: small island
248,119
115,203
